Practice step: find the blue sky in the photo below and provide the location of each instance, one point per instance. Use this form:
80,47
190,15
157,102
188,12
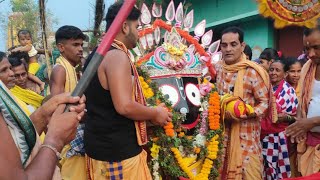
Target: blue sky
68,12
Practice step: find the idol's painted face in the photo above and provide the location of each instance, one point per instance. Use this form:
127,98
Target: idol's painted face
184,94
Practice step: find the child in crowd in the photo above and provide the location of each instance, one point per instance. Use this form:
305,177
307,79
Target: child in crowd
25,40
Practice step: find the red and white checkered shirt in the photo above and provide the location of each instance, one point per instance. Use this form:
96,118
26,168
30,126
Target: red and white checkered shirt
257,95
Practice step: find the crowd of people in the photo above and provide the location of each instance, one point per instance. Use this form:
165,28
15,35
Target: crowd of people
103,133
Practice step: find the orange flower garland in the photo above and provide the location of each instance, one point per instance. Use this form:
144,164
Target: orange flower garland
169,129
144,58
146,31
214,111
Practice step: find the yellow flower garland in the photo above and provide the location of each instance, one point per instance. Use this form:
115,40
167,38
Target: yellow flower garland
154,150
208,162
146,90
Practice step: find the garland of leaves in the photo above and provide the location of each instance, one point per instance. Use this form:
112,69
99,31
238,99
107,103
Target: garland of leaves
172,151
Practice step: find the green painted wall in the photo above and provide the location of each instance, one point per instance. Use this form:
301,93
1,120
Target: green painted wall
217,10
220,14
258,32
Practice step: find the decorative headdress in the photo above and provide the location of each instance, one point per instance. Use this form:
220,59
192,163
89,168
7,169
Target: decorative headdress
179,54
286,13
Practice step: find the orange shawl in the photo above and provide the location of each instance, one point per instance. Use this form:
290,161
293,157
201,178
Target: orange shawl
305,87
234,170
137,95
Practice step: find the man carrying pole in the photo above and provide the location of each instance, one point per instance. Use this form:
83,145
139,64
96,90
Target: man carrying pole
115,126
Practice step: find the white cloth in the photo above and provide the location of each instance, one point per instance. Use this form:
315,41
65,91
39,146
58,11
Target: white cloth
314,110
32,52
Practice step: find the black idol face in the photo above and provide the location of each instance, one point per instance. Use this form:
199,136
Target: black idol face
184,94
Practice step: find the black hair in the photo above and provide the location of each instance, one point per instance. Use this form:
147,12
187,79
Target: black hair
282,61
248,51
15,61
25,32
269,54
115,8
235,30
2,55
289,61
308,31
20,55
68,32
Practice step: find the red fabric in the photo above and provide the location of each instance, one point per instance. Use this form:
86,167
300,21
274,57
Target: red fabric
267,127
313,139
311,177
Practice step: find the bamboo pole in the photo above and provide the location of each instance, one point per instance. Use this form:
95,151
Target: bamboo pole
103,48
42,9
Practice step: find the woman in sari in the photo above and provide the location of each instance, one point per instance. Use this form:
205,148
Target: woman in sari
274,143
293,66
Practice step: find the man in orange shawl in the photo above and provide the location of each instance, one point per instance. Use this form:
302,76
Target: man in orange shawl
240,77
115,125
306,129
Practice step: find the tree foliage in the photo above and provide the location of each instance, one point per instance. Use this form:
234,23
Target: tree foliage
25,15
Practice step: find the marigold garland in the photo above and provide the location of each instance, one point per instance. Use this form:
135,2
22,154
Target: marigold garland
184,155
208,162
214,111
155,150
169,129
146,90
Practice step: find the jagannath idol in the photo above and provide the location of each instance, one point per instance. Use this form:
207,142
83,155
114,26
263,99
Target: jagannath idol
176,69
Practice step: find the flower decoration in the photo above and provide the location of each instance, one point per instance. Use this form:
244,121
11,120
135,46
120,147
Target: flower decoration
174,153
177,151
146,90
214,111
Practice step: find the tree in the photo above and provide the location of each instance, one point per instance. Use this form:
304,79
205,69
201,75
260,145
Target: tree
25,15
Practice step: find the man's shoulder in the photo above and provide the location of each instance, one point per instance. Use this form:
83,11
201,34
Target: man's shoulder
116,53
116,57
58,71
58,68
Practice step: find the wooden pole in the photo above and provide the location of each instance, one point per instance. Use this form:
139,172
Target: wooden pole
42,9
103,48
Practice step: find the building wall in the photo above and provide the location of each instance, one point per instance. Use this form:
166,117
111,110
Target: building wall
219,14
289,41
222,11
258,34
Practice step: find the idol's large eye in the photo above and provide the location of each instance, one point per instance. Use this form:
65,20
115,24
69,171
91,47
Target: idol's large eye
171,93
193,94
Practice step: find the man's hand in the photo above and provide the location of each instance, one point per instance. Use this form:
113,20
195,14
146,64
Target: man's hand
62,127
249,116
298,130
48,108
163,116
229,117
